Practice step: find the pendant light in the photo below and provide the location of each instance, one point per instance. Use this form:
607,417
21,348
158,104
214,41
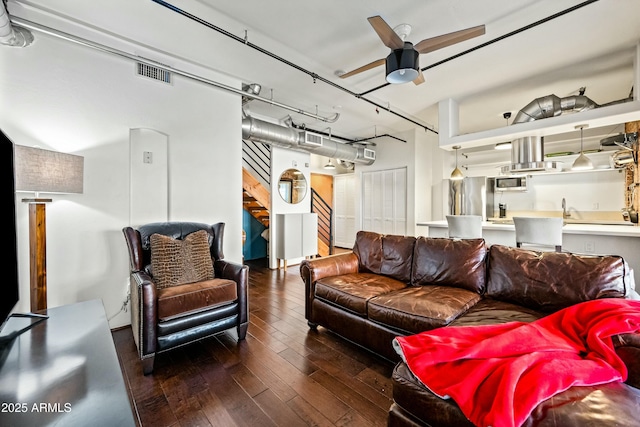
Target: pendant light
457,174
329,165
582,162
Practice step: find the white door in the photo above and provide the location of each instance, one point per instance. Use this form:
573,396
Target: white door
384,201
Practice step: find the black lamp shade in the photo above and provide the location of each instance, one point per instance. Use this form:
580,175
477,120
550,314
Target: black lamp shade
403,64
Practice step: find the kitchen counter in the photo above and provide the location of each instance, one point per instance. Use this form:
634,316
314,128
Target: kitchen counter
626,230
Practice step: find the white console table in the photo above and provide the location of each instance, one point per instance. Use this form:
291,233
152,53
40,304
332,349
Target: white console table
297,236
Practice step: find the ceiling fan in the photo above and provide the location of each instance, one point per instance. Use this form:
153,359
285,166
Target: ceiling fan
402,64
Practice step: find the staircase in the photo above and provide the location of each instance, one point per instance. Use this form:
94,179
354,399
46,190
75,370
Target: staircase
256,163
256,159
255,198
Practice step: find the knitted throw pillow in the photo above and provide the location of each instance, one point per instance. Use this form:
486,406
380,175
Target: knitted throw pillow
176,262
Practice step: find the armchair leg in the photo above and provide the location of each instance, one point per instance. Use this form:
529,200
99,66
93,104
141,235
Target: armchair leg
242,331
147,365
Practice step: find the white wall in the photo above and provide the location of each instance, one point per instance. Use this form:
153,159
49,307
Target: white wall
70,98
281,160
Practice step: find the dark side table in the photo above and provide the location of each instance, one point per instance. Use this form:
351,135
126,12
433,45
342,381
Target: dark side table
63,371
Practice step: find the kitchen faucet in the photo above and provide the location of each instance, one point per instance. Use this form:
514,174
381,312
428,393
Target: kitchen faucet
565,214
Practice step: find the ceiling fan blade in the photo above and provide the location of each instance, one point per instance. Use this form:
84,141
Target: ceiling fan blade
363,68
386,33
435,43
420,79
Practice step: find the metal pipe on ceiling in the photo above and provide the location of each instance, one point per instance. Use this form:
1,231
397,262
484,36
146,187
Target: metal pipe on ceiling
286,137
84,42
11,35
313,75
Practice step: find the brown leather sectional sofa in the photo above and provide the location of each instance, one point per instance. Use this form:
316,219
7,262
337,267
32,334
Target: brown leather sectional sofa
398,285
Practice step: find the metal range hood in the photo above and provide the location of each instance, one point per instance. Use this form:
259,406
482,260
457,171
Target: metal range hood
527,154
285,137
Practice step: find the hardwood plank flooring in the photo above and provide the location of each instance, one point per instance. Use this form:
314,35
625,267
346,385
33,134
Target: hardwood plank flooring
283,374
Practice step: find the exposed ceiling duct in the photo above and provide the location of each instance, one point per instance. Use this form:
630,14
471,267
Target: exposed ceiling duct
527,154
285,137
12,35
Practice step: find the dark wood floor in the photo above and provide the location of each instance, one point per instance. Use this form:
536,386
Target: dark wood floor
283,374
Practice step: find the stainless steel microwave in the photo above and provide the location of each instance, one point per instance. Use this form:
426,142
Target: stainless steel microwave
511,183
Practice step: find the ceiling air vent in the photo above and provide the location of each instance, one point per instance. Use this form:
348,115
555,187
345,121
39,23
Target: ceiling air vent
369,154
312,139
154,73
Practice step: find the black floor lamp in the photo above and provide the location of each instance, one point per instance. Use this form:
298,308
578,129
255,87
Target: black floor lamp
43,171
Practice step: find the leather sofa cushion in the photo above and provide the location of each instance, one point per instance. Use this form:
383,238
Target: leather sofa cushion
177,301
388,255
353,291
490,312
606,405
421,308
550,281
450,262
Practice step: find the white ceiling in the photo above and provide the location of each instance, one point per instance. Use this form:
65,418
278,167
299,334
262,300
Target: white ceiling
592,46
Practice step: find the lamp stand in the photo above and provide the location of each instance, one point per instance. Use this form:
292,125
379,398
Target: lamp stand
38,253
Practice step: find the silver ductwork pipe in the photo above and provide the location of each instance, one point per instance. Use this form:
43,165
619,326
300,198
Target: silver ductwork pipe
527,154
551,106
285,137
12,35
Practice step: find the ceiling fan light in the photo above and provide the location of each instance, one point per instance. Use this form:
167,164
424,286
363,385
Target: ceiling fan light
403,64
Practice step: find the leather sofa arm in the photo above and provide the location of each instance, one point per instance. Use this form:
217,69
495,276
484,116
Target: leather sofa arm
144,312
311,270
314,269
628,348
239,274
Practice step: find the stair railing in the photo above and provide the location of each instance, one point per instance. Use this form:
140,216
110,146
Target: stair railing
325,219
256,158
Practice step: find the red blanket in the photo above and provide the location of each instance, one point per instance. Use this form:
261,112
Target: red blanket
498,374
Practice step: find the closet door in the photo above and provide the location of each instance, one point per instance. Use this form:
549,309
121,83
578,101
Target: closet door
344,211
384,201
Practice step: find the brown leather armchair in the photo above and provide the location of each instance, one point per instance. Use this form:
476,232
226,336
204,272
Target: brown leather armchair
169,317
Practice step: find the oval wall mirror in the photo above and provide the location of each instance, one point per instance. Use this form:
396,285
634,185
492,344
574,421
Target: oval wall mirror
292,186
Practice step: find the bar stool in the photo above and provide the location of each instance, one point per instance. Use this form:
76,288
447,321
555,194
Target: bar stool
539,231
465,226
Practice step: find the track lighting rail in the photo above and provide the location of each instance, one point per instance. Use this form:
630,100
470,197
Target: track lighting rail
313,75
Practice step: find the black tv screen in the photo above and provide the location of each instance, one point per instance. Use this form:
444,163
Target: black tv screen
9,291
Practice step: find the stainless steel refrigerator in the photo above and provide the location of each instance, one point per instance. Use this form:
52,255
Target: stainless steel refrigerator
471,196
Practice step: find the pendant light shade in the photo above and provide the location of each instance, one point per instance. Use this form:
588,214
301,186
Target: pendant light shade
457,174
329,165
582,162
403,64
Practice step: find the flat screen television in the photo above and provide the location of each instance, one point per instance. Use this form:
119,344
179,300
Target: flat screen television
9,290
